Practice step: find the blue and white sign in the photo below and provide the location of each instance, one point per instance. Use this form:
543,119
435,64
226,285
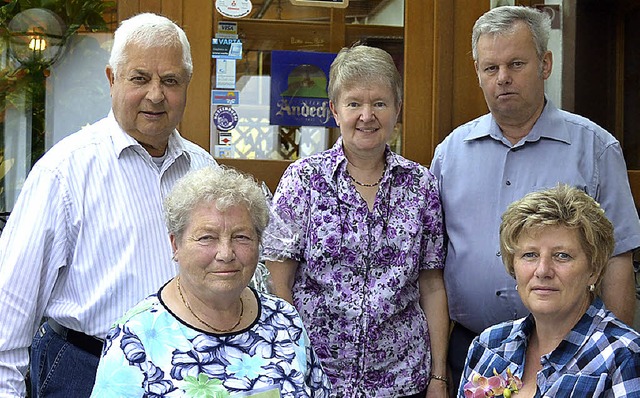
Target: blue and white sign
225,118
225,97
226,48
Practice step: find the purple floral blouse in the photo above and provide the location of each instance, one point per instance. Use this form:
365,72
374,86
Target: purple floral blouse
356,286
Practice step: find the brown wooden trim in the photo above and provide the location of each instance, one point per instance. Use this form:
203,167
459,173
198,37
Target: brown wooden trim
154,6
127,8
417,116
337,30
468,100
173,10
198,24
443,72
268,171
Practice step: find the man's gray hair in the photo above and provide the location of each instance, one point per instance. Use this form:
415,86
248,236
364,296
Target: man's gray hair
501,20
149,31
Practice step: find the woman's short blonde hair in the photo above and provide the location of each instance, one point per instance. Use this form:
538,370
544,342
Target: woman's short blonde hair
563,206
225,186
362,64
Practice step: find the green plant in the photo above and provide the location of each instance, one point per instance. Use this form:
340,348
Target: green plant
74,13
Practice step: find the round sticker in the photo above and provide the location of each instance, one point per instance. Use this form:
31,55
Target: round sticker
234,8
225,118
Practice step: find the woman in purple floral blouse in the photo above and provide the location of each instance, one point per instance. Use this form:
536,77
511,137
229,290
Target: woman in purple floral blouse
356,244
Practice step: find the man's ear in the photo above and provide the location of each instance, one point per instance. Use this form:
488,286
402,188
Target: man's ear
110,76
475,66
547,64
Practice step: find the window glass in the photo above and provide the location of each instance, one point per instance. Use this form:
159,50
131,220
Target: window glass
282,26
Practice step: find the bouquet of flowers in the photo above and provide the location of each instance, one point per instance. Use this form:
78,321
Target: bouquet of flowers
494,386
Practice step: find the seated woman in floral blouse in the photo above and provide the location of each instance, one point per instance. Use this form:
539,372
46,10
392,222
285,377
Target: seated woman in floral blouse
205,333
556,244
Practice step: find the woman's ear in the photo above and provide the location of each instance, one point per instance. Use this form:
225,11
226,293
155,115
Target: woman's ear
174,246
333,112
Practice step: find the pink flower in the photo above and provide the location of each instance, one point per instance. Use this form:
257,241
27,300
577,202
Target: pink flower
494,386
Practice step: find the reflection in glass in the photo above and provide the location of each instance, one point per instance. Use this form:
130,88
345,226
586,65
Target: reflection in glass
280,25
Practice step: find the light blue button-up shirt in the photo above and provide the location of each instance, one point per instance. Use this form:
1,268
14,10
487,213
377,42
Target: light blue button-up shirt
480,173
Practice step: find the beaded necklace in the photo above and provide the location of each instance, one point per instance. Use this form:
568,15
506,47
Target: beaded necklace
362,184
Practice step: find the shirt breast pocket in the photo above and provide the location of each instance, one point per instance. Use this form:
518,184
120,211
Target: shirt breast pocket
578,386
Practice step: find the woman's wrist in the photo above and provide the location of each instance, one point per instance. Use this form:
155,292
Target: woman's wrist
443,379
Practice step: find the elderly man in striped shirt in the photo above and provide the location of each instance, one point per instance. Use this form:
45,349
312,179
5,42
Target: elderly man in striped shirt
86,239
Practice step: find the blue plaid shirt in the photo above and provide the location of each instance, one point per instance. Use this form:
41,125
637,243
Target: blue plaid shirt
599,357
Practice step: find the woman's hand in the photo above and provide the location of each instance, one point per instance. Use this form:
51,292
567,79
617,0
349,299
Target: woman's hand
437,389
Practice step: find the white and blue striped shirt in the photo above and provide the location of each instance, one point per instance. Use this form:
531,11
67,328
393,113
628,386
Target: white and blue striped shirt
86,240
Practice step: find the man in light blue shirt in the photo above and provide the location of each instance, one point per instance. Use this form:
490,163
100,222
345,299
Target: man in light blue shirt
86,239
524,144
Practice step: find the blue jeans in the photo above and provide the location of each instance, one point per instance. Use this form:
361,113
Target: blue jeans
58,368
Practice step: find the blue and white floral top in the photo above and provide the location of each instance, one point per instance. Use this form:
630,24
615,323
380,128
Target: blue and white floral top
152,353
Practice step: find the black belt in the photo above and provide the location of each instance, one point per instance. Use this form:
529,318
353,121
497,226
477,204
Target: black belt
90,344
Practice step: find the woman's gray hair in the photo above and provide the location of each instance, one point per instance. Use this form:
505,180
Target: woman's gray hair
363,64
501,20
149,31
226,187
562,206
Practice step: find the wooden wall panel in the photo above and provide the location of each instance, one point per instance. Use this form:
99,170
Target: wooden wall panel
268,171
127,8
337,30
418,138
173,10
468,101
198,24
154,6
442,102
441,87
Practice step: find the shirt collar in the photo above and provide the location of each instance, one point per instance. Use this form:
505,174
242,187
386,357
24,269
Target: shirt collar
122,140
340,160
549,125
522,330
577,337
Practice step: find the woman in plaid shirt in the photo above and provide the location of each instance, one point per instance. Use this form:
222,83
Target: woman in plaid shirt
556,243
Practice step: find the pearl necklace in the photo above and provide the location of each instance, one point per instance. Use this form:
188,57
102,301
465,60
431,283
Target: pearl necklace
186,304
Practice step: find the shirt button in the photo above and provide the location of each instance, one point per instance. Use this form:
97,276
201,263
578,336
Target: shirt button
498,254
508,182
